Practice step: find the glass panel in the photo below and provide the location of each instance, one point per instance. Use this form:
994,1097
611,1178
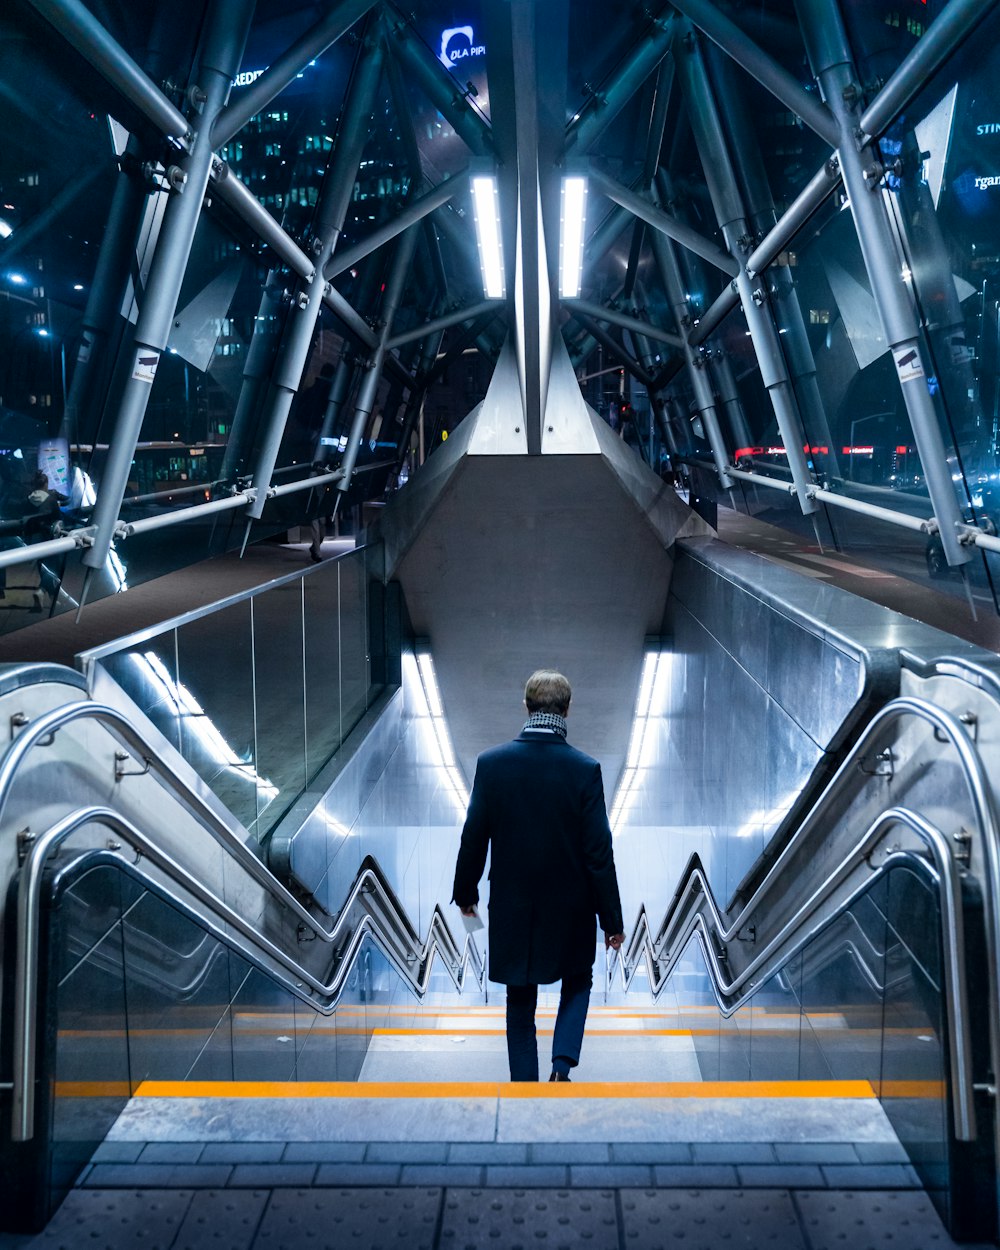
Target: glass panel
147,673
215,691
322,665
279,701
353,640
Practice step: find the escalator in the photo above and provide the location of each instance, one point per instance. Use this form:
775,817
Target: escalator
147,938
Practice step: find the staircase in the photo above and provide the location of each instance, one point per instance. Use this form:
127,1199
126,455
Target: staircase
434,1147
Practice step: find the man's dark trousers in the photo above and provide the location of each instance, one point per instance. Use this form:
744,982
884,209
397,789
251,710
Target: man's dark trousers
567,1039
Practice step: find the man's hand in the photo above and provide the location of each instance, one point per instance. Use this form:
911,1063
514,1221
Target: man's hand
468,911
614,940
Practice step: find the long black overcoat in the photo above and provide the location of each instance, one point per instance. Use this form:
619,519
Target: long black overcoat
540,803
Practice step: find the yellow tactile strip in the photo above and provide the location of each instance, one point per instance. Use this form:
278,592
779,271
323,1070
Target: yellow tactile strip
489,1089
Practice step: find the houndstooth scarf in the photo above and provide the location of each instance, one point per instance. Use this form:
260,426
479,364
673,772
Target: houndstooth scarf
547,720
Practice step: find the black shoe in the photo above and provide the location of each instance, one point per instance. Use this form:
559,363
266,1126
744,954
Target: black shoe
315,556
559,1076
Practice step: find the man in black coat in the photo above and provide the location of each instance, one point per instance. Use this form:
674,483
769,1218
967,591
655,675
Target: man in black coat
540,803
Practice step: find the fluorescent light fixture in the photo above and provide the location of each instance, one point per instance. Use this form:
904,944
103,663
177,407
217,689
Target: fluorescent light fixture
6,229
486,210
18,279
574,214
650,708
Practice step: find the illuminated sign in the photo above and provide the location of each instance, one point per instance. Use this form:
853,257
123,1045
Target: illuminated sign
988,128
991,180
458,43
859,451
247,77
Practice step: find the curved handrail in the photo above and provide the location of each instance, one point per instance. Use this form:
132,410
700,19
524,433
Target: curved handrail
370,893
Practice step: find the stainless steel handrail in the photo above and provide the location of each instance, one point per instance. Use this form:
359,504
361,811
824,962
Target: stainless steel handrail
382,916
678,927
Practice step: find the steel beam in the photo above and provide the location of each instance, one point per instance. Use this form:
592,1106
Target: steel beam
956,21
456,317
440,87
606,340
219,61
663,222
313,43
633,324
368,389
331,213
832,63
759,65
416,209
85,33
233,192
628,77
811,198
713,151
340,388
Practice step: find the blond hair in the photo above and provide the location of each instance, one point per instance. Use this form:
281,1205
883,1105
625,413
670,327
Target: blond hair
547,691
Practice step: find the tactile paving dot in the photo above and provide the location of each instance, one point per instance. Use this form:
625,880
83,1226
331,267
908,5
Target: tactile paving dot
517,1219
117,1219
223,1219
362,1219
710,1219
871,1220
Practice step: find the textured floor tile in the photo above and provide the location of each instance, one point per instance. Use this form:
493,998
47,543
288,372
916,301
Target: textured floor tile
706,1220
515,1219
881,1152
906,1221
218,1219
364,1219
117,1152
116,1220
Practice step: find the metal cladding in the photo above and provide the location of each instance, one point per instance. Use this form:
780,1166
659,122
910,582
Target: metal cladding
511,562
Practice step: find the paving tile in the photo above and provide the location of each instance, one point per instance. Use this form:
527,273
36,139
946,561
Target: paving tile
870,1176
650,1152
732,1152
218,1219
444,1174
614,1175
695,1175
117,1152
324,1152
820,1152
159,1176
780,1175
407,1152
706,1220
569,1152
517,1218
487,1152
881,1152
906,1221
172,1152
347,1174
368,1219
272,1175
534,1175
117,1217
243,1152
